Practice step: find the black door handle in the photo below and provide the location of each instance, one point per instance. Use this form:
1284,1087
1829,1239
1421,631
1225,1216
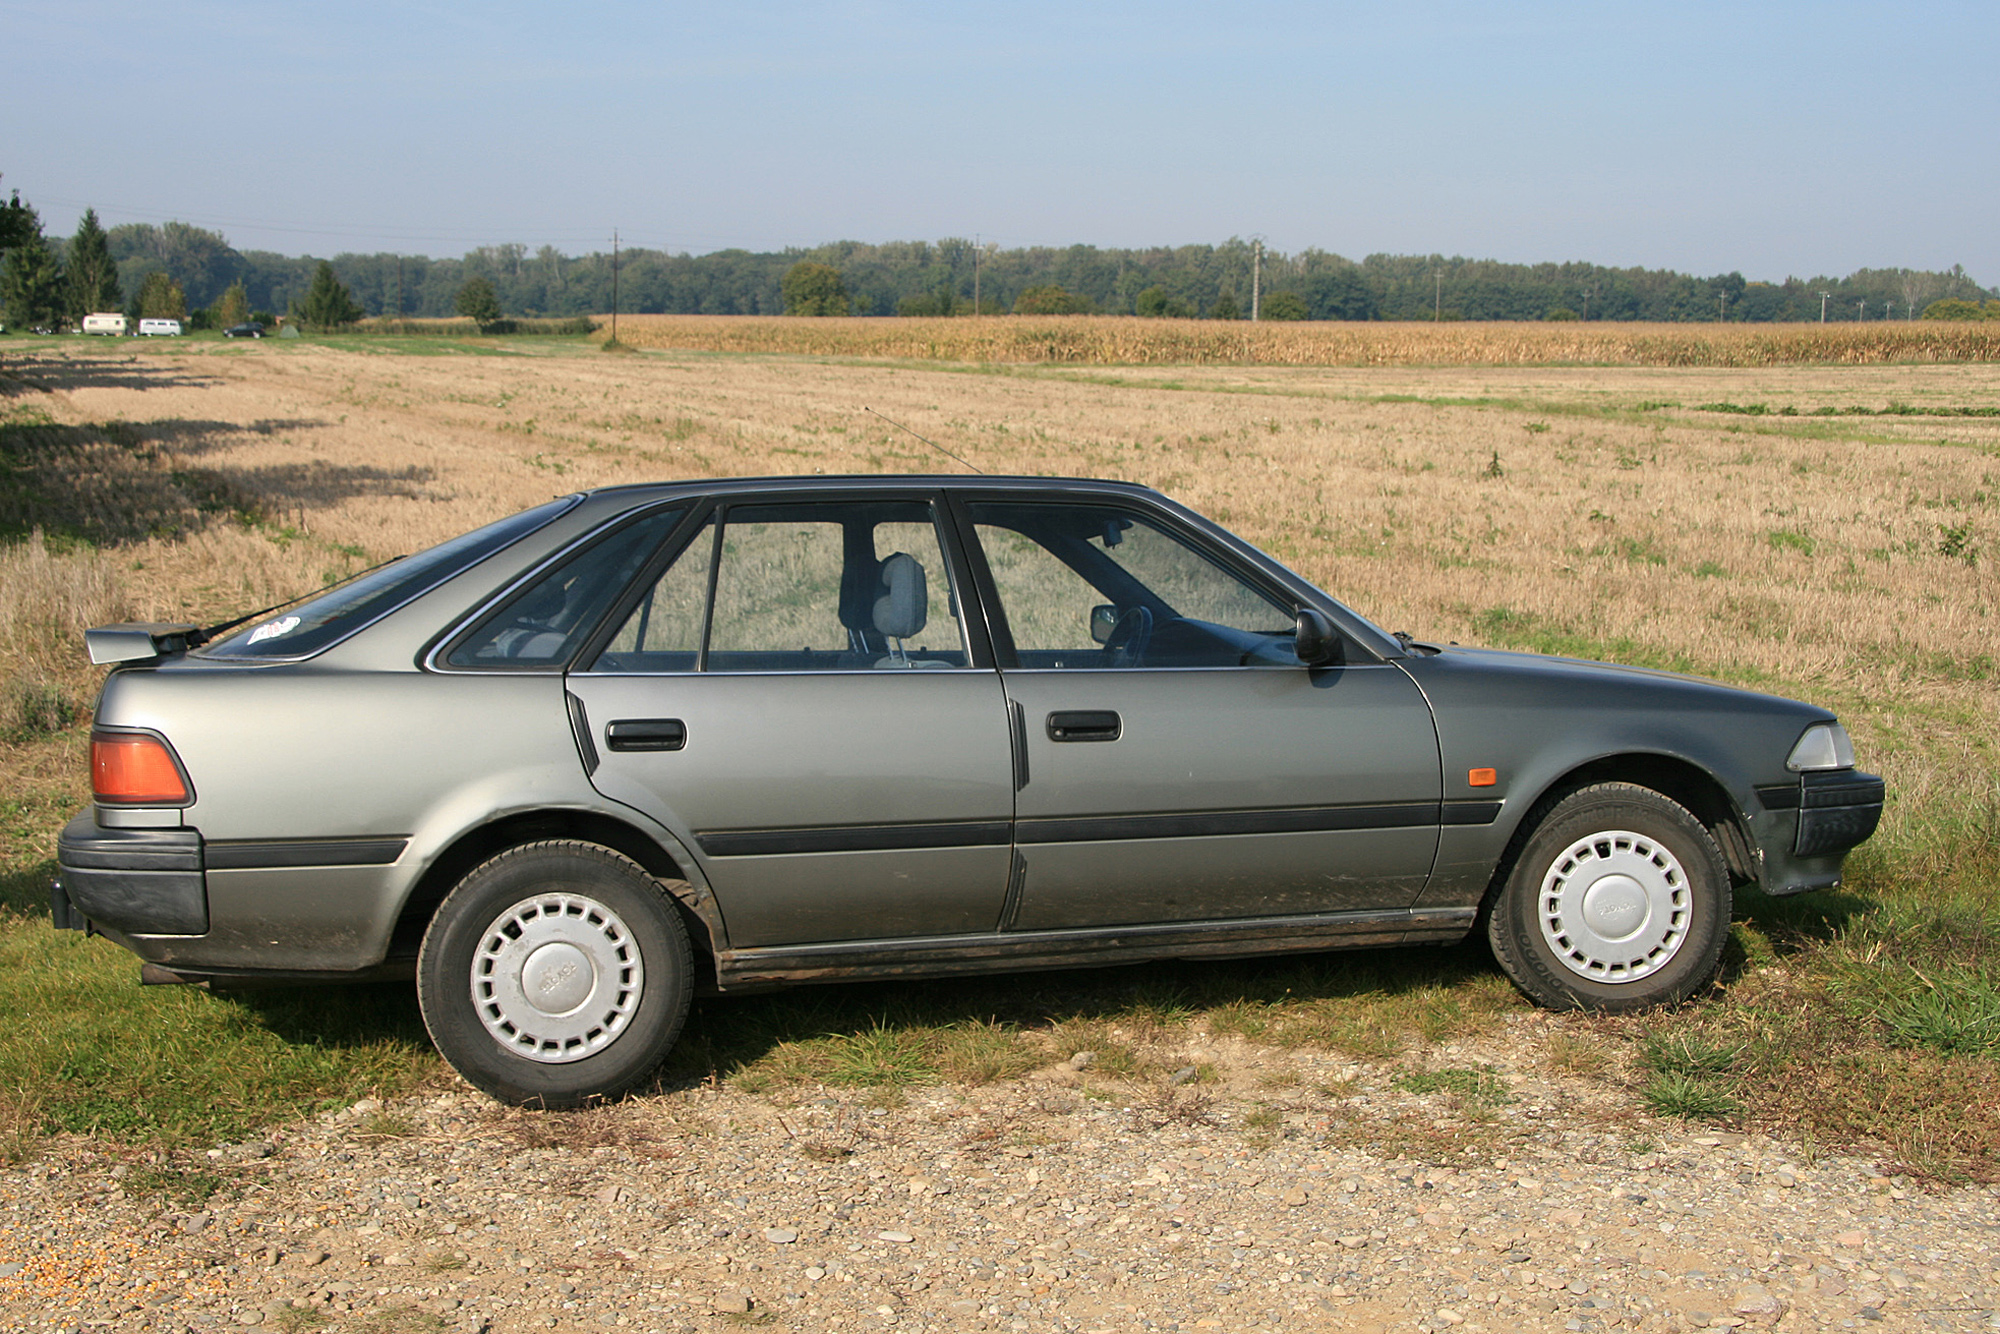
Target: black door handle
1084,725
646,734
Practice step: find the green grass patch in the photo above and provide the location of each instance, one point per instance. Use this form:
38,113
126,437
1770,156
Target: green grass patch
93,1053
1477,1086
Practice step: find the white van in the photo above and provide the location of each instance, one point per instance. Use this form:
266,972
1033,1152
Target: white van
159,328
102,323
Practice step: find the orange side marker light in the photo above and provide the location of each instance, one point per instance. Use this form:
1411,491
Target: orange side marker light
1482,777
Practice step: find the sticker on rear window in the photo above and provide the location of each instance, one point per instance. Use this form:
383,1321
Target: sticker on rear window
273,629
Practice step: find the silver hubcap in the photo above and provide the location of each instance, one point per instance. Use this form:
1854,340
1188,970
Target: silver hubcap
1615,906
557,978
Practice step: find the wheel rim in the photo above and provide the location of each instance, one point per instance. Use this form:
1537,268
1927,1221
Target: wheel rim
557,977
1615,906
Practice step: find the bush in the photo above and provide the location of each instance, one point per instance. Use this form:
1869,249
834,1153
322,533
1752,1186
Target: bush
1283,306
940,302
1154,304
1951,308
1560,313
814,289
1051,299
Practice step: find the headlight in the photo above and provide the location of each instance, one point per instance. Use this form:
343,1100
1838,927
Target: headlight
1824,746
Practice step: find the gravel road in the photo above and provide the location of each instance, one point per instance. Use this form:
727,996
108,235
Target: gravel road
1280,1190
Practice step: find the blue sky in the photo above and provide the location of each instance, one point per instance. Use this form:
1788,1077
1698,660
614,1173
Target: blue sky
1772,138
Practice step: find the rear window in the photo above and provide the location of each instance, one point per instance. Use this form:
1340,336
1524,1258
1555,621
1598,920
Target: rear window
331,617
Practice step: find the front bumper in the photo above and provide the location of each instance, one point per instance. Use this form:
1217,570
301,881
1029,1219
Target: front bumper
144,882
1835,811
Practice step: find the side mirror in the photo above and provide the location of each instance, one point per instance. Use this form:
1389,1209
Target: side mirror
1316,641
1103,620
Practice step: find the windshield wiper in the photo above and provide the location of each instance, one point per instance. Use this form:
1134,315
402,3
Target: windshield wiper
207,634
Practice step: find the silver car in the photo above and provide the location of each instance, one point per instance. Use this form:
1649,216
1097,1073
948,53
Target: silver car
738,734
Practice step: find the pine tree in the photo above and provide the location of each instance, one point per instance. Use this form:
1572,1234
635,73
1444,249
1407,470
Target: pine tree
31,281
328,303
93,273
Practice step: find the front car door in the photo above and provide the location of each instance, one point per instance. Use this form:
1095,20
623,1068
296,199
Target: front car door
1176,762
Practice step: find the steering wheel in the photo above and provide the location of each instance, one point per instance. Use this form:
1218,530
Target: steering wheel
1126,645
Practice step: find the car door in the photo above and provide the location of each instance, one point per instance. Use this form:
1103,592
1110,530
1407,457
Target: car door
1176,761
794,696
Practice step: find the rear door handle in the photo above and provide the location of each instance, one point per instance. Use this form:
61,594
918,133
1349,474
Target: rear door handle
1084,725
646,734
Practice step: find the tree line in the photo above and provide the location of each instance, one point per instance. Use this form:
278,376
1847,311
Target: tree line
179,269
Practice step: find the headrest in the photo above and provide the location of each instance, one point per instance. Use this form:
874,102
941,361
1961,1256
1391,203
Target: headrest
902,607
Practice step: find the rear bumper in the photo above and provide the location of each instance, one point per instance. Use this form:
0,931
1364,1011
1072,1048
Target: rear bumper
146,882
1821,818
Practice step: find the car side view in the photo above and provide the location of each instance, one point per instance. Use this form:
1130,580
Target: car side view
739,734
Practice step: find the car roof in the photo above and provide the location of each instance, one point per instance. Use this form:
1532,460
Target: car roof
845,482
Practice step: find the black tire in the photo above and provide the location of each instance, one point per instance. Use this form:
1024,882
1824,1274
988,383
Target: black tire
580,923
1600,860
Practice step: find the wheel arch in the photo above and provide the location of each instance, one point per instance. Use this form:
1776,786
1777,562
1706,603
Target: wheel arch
695,906
1677,779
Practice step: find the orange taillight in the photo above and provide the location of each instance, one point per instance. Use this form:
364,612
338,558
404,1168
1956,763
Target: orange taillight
132,768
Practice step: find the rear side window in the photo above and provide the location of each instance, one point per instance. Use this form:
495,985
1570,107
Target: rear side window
331,617
542,623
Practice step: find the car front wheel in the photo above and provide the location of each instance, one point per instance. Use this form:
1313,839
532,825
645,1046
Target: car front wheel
1619,900
555,974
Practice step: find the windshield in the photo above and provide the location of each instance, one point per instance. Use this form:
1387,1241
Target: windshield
312,626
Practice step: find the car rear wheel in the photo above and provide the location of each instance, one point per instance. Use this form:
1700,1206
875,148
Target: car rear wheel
1619,900
555,974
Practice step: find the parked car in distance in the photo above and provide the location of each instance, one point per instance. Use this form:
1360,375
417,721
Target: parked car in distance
108,323
737,734
250,330
159,328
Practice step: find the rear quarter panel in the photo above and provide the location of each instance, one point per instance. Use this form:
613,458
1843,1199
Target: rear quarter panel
303,752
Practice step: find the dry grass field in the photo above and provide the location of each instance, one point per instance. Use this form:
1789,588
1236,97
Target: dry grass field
1825,530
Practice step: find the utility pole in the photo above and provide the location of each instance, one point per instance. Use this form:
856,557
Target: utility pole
614,284
399,289
1864,310
975,273
1437,296
1256,277
1824,297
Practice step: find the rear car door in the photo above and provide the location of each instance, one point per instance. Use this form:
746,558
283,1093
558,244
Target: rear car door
794,695
1176,761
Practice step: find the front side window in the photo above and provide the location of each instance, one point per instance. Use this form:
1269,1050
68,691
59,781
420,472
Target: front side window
1102,586
859,585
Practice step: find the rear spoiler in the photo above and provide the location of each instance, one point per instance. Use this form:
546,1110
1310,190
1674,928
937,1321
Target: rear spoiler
140,641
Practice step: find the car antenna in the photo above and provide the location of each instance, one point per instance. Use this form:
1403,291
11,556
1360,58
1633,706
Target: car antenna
208,633
932,443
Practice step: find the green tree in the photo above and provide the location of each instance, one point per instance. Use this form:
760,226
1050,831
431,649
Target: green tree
1559,313
161,298
1283,306
1157,303
1225,308
93,273
233,306
1951,308
939,302
328,304
814,289
1051,299
31,280
478,301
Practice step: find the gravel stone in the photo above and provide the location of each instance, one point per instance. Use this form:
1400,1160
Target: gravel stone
1293,1191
